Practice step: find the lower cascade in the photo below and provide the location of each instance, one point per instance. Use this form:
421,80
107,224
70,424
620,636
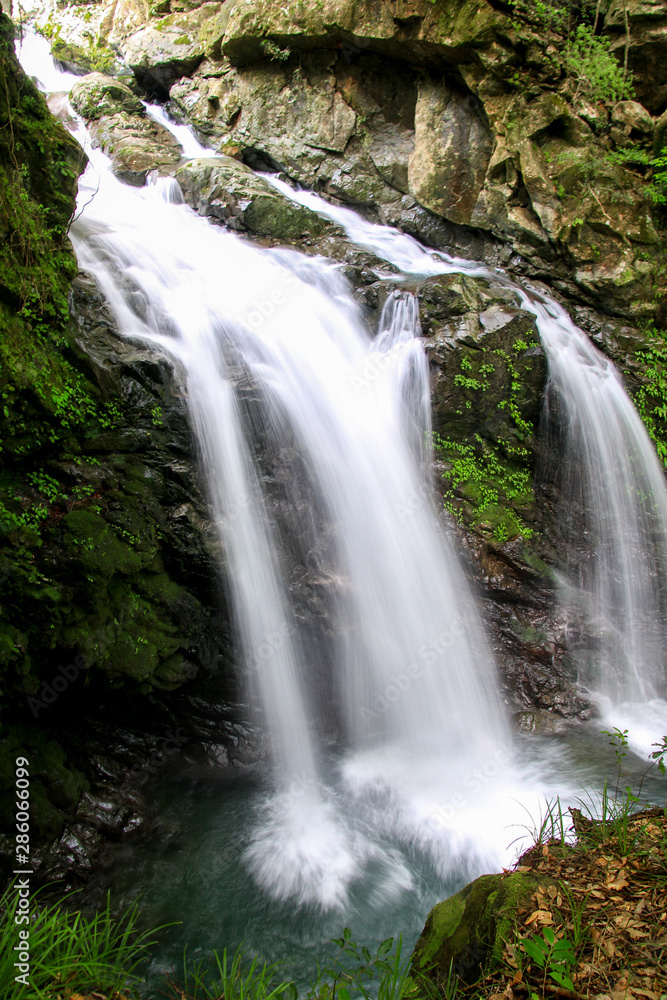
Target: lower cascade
360,645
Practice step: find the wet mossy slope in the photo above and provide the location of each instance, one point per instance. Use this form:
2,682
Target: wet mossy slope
104,565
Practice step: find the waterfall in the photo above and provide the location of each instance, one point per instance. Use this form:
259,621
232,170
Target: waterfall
359,640
613,484
355,625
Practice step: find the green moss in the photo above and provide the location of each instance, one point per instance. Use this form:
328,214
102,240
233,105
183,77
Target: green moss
489,479
91,58
486,490
651,397
467,932
55,785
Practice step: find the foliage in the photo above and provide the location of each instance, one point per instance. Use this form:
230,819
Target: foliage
273,51
490,477
596,71
651,397
554,955
69,952
656,166
231,981
352,972
489,483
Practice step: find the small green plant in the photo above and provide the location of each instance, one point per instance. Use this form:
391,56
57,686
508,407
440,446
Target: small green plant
576,916
658,755
231,980
354,968
552,825
651,397
594,68
555,956
655,166
274,52
67,949
619,743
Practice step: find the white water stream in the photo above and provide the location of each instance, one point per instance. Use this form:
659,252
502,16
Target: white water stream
400,670
612,479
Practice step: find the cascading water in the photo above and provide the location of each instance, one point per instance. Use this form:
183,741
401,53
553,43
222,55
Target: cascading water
399,675
403,675
612,480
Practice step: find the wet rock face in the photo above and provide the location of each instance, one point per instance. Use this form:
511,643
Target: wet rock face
647,21
227,190
399,107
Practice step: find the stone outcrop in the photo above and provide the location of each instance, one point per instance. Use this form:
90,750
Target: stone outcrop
229,191
647,23
455,109
118,122
168,48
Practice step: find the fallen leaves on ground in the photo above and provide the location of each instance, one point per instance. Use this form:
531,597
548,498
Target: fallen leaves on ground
619,900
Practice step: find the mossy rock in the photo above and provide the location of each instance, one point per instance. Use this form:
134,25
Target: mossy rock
468,932
228,190
55,785
96,95
79,59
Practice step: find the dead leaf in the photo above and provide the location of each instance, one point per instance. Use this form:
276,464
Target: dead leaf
645,993
518,977
636,934
620,882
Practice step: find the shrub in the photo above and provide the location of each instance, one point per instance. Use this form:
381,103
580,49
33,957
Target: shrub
598,74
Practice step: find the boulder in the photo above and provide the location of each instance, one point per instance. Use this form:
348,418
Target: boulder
647,20
401,28
465,935
453,146
119,123
96,96
168,48
229,191
633,119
